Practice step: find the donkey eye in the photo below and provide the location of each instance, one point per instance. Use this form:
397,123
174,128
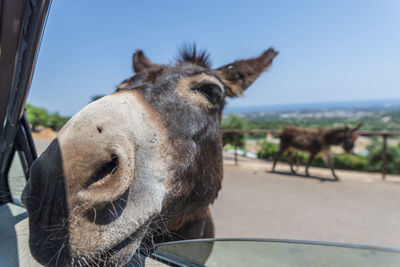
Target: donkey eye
212,91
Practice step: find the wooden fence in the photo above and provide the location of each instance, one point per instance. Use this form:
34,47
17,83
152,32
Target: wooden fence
384,135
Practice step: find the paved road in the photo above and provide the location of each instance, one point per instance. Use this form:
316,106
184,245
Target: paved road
256,203
41,144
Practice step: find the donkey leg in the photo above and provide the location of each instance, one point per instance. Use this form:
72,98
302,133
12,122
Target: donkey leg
289,160
310,159
326,156
297,162
278,155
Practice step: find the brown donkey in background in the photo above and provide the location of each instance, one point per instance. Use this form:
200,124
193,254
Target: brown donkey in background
315,141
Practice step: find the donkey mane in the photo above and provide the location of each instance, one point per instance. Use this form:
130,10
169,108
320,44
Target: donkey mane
190,53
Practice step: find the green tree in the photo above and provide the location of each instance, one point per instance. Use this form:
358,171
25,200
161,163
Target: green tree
56,121
233,122
96,97
40,116
37,116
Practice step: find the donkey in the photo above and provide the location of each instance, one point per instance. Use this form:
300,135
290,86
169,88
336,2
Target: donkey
143,162
314,142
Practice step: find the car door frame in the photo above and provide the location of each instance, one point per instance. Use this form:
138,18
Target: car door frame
21,28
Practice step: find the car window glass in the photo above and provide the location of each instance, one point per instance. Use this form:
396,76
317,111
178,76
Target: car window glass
16,179
273,253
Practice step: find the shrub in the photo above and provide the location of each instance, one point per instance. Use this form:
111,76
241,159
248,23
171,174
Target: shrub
375,157
350,162
341,161
268,150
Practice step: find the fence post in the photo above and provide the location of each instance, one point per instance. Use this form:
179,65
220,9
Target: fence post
235,144
384,156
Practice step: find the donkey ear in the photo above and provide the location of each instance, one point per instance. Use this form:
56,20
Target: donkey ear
357,127
240,74
141,62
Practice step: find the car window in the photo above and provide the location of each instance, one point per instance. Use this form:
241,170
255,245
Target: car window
16,177
273,253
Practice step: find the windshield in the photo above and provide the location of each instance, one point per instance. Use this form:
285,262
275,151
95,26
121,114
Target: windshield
273,253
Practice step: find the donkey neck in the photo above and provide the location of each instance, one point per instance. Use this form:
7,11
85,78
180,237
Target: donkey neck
334,137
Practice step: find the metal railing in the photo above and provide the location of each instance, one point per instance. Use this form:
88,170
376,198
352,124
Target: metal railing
383,134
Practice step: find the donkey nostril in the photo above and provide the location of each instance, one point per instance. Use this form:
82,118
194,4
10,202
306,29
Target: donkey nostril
107,212
114,174
104,170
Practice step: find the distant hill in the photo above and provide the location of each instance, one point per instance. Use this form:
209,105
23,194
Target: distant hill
374,115
381,104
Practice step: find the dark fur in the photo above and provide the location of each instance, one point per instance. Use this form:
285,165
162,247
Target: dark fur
314,142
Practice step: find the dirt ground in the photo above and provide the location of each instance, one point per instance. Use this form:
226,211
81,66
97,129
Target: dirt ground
360,208
46,133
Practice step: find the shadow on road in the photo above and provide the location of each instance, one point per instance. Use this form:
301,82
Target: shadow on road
321,179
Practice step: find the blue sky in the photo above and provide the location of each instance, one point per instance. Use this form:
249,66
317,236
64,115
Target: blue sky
329,50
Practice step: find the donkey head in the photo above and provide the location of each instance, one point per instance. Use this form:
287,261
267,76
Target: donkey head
346,137
150,150
350,137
